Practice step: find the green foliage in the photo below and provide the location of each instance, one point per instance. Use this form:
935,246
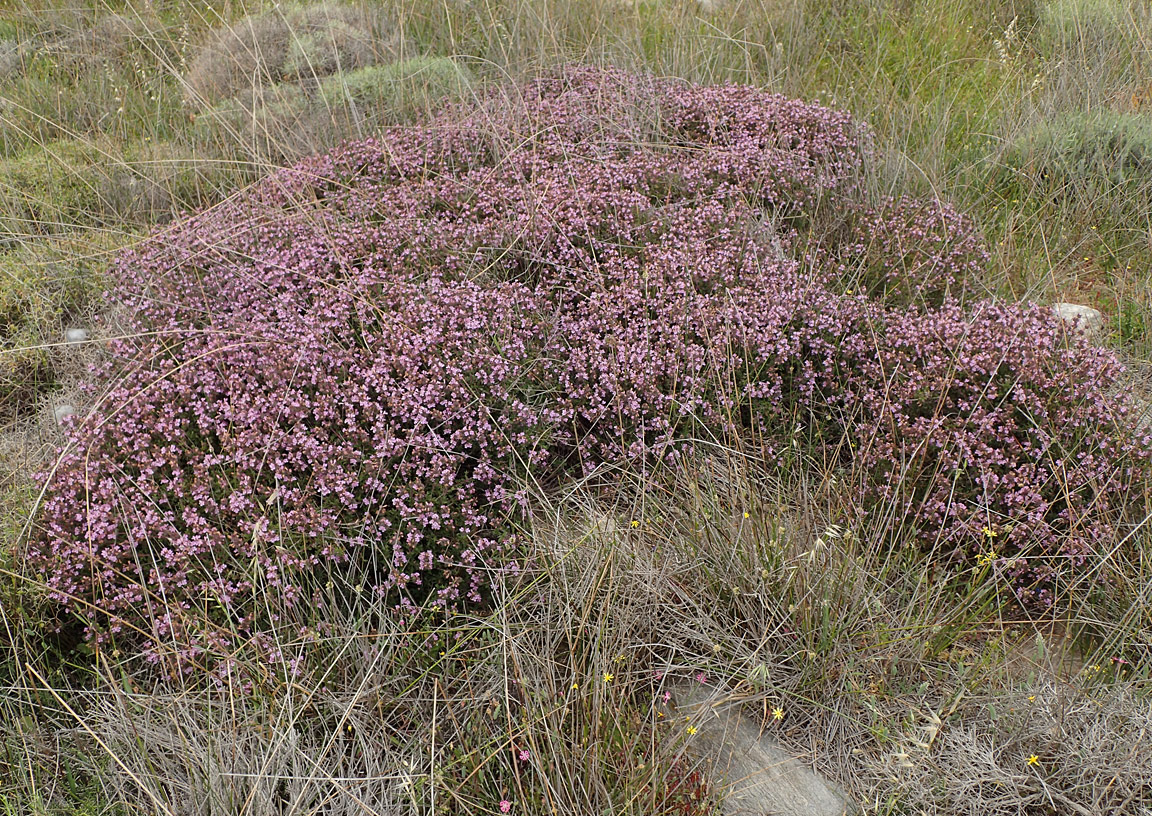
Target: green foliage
42,774
10,58
398,89
42,288
70,76
62,185
1100,160
1132,324
1095,50
1073,22
48,189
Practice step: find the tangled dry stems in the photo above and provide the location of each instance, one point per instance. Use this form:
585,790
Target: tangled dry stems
401,718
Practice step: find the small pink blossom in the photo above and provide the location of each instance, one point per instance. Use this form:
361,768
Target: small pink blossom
505,806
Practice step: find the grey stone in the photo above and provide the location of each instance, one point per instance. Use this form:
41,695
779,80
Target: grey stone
752,773
76,335
62,411
1085,318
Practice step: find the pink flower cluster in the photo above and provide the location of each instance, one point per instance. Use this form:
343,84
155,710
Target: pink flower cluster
362,361
905,252
999,430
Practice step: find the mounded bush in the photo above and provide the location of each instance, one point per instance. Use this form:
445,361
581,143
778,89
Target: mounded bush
1083,157
360,363
291,43
397,89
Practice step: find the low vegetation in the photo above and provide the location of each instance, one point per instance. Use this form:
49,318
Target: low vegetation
398,400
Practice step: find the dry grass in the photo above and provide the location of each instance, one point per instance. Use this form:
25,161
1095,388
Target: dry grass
887,683
279,123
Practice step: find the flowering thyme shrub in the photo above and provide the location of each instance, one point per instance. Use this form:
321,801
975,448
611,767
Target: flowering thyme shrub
908,252
360,363
998,440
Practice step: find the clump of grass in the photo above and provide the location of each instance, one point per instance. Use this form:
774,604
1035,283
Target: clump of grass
1069,196
1042,746
111,38
10,58
1085,27
1098,162
61,186
108,78
44,290
286,121
718,573
552,702
49,189
291,43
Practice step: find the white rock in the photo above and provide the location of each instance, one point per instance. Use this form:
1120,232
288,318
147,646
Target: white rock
1088,320
752,773
76,335
62,411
